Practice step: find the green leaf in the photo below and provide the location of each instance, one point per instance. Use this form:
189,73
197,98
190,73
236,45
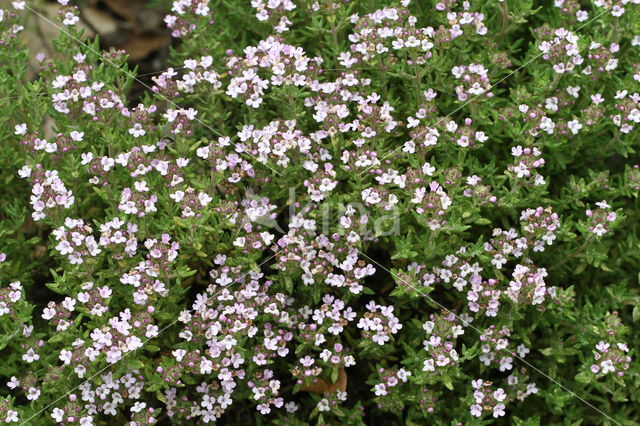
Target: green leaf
334,375
446,380
635,314
531,421
135,364
585,377
58,337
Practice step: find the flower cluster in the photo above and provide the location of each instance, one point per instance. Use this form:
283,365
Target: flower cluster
518,385
199,71
391,29
379,324
75,241
442,331
286,65
601,219
11,27
78,94
62,144
138,202
265,391
390,381
559,46
10,296
487,399
231,166
432,204
540,226
187,14
332,259
611,359
526,164
117,233
465,135
191,204
528,287
495,348
274,12
48,192
627,110
505,244
484,295
474,81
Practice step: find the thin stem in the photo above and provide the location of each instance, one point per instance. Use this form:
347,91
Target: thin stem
574,254
504,11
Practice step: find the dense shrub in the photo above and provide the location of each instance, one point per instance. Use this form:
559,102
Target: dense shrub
331,212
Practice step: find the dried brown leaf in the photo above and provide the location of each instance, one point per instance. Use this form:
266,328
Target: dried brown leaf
142,45
321,386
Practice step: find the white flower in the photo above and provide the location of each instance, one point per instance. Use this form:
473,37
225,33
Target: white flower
48,313
506,364
323,405
76,136
152,331
380,338
204,198
136,131
179,354
607,366
522,350
623,347
21,129
429,365
87,157
33,394
380,389
499,395
599,230
12,416
481,137
476,410
267,237
24,172
403,374
138,406
13,383
70,19
574,126
57,415
419,195
522,170
141,186
370,196
30,356
428,169
65,356
582,15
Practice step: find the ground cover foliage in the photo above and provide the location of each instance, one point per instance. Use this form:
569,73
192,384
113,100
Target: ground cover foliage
324,212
